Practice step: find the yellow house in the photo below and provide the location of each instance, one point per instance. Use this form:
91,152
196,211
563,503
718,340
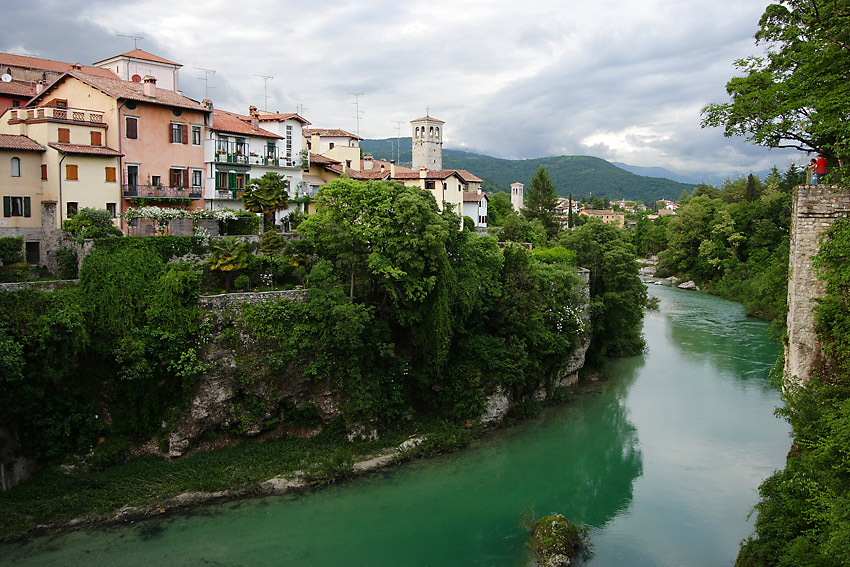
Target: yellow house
21,186
606,215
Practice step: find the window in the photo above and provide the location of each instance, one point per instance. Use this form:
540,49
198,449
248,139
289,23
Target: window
156,180
110,175
196,135
71,172
16,103
331,146
289,141
197,178
64,136
176,133
176,177
96,138
44,172
221,180
60,103
131,132
16,206
16,167
72,208
112,208
429,184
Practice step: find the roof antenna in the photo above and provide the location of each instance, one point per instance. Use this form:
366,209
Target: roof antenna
266,79
206,80
135,39
357,111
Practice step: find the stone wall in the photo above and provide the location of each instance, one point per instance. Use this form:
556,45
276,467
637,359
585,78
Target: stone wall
814,209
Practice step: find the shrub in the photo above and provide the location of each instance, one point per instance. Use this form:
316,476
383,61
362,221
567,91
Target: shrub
91,223
66,263
11,250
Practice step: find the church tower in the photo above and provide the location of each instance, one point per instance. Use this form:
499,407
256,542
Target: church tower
517,195
427,143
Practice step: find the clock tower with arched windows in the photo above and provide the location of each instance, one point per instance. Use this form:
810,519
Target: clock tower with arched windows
427,143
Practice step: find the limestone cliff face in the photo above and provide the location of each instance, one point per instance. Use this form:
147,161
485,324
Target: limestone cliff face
815,208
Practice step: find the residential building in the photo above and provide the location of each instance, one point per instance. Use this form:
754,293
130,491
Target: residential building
606,215
293,154
236,150
335,144
134,65
24,77
475,207
158,132
21,189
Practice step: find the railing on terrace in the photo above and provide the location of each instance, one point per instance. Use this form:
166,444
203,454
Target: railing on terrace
162,191
55,113
228,193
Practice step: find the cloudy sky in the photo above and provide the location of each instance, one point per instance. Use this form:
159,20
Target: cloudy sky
623,80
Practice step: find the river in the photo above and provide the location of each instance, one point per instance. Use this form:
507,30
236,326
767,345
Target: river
662,459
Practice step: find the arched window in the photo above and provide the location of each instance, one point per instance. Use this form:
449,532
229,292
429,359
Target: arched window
437,131
417,132
431,131
16,167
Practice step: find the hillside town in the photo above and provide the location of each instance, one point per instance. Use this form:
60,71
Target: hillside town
78,136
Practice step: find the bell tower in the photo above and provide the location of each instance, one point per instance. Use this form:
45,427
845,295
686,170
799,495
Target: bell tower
427,136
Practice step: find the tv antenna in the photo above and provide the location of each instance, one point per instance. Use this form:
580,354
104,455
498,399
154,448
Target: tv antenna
357,111
135,39
300,109
266,79
398,124
206,80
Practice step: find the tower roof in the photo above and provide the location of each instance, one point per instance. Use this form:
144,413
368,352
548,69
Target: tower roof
427,119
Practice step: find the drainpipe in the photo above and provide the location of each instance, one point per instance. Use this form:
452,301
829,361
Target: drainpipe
121,163
61,208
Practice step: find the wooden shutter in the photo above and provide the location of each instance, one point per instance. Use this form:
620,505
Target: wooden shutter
44,172
170,135
132,128
70,172
7,206
96,139
27,209
184,130
64,136
110,174
231,180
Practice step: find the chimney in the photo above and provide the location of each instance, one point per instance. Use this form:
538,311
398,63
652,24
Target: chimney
149,86
423,172
39,87
255,117
207,104
76,67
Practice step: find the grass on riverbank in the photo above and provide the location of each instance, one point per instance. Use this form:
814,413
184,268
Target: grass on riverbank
55,496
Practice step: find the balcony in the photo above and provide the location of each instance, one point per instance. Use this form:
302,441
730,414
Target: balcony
228,194
162,191
228,157
54,113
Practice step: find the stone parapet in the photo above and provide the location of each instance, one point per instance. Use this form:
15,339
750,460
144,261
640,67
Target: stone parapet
814,210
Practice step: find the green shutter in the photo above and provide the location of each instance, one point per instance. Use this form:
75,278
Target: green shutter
7,206
27,207
231,180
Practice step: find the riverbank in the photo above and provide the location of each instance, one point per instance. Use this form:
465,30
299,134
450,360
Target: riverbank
70,496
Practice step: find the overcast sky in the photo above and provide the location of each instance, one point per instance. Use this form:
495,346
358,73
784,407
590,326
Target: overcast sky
623,80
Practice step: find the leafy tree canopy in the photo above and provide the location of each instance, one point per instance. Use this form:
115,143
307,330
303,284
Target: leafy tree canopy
795,96
266,195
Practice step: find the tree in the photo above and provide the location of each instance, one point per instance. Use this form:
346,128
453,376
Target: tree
795,95
541,202
91,223
499,208
228,255
266,195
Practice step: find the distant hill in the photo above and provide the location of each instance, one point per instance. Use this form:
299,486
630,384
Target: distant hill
579,175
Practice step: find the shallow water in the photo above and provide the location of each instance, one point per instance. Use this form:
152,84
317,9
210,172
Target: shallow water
662,462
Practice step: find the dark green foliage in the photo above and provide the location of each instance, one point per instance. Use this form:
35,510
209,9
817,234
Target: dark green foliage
66,262
804,511
11,250
245,223
166,247
91,223
541,200
499,208
616,293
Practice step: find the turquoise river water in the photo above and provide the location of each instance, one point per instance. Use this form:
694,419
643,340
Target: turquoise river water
662,462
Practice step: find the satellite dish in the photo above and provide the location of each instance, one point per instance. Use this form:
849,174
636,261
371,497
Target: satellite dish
137,78
7,78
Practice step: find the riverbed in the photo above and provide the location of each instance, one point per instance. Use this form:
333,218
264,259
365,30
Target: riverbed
661,458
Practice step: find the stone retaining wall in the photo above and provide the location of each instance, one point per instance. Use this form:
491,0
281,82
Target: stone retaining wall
815,208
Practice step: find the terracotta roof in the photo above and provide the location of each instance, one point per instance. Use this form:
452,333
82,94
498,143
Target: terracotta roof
428,118
13,142
10,60
127,90
281,117
85,150
466,176
144,55
600,212
473,196
17,88
233,123
330,133
429,174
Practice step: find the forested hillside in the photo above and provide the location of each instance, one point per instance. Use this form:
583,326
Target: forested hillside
579,175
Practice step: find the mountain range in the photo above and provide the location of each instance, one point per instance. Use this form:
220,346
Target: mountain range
579,175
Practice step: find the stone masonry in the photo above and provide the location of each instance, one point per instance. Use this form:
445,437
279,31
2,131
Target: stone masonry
814,209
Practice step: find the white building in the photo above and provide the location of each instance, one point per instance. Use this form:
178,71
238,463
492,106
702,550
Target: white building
475,207
137,64
427,136
517,196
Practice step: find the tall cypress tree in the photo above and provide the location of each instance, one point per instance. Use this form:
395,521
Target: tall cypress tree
541,202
